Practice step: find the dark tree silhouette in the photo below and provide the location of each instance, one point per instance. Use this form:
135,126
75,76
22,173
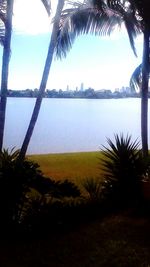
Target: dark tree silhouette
52,45
6,12
142,12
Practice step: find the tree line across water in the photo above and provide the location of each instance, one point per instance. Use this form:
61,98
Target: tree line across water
87,93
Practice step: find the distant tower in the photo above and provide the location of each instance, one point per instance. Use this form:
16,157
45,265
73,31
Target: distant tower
82,87
67,88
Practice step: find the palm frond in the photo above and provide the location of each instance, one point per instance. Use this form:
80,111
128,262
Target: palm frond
133,28
2,33
135,80
3,7
95,17
128,13
84,19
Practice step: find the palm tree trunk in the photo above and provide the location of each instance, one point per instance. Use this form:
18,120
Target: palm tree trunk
144,93
45,75
5,68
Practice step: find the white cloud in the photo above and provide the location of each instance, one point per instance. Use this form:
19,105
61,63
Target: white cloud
30,17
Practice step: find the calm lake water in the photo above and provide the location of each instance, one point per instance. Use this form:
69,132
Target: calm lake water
70,125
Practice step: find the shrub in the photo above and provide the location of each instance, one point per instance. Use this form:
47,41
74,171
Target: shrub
48,187
25,192
93,189
123,167
15,181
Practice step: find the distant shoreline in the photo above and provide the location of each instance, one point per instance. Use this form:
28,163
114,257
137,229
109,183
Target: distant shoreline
113,97
86,94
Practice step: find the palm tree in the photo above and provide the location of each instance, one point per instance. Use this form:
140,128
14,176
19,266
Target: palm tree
100,17
142,8
140,77
6,13
52,45
136,84
6,19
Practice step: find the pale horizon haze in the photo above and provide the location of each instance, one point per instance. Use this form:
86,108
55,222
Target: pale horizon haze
98,62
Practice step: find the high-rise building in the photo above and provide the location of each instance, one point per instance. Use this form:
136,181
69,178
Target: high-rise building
82,87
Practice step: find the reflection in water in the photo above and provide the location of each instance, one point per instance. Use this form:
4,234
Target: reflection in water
69,125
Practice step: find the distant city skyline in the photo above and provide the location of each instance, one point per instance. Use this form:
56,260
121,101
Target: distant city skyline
123,89
81,92
81,88
98,62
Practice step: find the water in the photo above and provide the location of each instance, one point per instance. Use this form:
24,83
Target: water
70,125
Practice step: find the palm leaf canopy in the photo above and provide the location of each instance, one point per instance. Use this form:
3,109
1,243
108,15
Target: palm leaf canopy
98,17
142,11
136,79
3,7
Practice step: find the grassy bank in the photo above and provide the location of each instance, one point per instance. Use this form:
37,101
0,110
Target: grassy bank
69,165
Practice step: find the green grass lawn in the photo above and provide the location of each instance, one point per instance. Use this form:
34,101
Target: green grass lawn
69,165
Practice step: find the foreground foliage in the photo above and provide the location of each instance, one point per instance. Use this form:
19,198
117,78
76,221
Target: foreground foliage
124,167
22,184
33,203
115,241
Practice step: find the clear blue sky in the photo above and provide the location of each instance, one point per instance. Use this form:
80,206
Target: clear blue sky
100,63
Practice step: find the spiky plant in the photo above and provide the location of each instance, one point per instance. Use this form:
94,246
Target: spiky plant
123,165
93,188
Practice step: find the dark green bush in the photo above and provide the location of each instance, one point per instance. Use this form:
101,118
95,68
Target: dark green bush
93,189
123,166
24,189
15,180
56,189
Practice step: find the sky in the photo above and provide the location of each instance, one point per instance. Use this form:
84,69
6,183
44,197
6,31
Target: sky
98,62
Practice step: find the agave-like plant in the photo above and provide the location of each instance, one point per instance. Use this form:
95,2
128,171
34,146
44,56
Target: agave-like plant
124,165
8,156
93,188
119,158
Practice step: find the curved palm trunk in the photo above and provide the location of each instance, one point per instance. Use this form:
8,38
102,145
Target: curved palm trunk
5,67
45,75
144,93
